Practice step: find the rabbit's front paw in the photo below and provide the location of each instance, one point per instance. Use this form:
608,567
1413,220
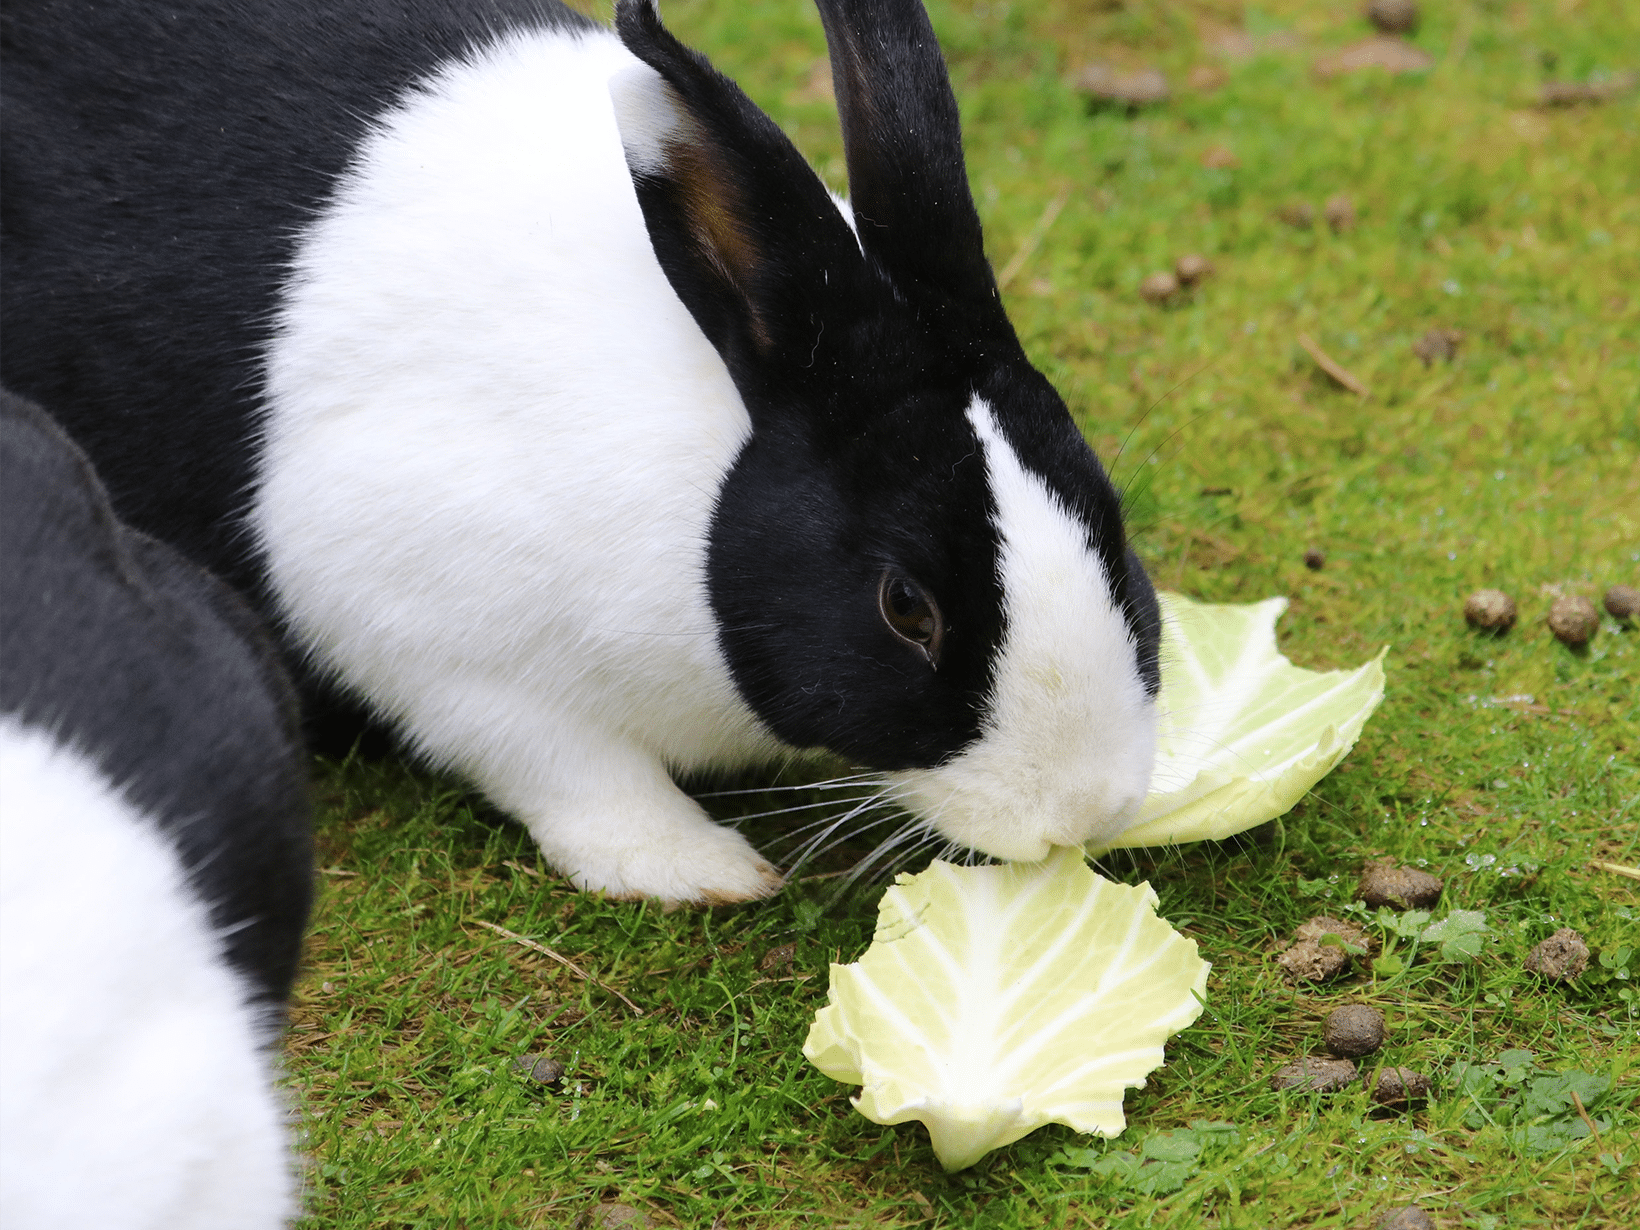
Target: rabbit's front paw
672,854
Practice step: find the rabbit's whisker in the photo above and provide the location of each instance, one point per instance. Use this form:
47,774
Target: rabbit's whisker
834,783
833,832
737,821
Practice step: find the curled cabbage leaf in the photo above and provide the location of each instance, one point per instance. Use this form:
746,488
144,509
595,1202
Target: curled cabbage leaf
1243,733
996,999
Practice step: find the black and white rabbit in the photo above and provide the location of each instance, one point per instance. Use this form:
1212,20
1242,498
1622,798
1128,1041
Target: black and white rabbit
540,387
155,869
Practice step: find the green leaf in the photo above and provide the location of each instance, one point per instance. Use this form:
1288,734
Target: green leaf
1539,1111
1160,1178
1555,1135
1460,935
996,999
1164,1163
1552,1095
1122,1165
1409,926
1244,733
1175,1146
1476,1080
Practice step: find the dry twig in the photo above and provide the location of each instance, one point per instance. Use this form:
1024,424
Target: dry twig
1617,869
560,958
1034,239
1331,366
1578,1102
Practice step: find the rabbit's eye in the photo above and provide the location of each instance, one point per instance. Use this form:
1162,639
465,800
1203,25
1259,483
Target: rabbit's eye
911,614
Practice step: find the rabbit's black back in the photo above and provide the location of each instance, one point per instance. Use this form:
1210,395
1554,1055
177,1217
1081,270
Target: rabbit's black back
129,654
159,161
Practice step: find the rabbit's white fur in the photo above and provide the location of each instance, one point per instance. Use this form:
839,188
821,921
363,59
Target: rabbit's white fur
1070,735
134,1091
495,437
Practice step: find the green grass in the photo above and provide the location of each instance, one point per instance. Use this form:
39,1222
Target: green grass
1506,766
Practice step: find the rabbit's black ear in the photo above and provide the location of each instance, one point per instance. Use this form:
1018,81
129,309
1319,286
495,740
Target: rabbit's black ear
747,234
903,138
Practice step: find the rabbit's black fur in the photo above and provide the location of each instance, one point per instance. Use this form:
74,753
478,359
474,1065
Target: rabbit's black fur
118,647
157,867
160,161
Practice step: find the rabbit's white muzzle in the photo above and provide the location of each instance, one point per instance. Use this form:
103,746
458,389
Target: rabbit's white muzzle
1065,754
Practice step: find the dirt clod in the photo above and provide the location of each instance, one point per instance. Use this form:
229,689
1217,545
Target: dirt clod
1393,16
1298,214
1140,88
1398,1088
1312,961
1623,602
612,1217
1320,1075
1159,288
1192,268
777,958
1490,610
1353,1030
1315,560
1408,1217
1339,211
1438,346
1400,888
1573,620
1382,51
539,1068
1205,78
1575,93
1560,958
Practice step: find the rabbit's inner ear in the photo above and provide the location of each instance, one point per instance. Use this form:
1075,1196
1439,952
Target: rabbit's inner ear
662,141
684,182
743,228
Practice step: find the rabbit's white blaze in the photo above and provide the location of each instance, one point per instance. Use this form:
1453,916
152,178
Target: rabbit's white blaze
446,452
137,1092
1066,752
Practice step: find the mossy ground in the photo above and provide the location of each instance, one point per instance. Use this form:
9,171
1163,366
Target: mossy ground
1508,766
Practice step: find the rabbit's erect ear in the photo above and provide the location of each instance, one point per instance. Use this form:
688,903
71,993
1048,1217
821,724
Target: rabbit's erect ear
903,138
747,234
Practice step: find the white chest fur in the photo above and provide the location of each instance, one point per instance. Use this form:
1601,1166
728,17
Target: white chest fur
136,1094
494,443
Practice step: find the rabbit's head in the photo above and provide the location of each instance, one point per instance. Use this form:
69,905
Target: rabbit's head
916,561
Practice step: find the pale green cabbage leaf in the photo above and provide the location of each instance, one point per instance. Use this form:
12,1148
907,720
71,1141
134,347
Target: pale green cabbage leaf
994,1000
1243,733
